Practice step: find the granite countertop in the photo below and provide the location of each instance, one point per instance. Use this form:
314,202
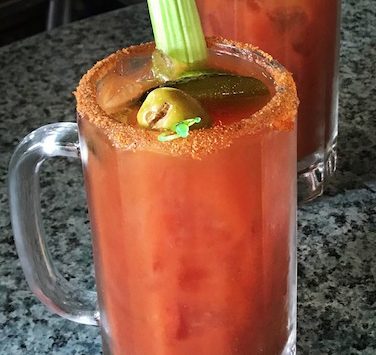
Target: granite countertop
336,233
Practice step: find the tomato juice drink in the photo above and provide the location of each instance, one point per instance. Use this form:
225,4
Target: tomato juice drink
303,35
188,148
194,238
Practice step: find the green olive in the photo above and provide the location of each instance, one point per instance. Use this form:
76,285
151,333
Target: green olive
164,107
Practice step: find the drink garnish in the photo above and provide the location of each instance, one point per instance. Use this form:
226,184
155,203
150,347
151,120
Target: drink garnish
193,73
180,64
179,130
166,68
165,107
212,85
221,86
178,36
180,47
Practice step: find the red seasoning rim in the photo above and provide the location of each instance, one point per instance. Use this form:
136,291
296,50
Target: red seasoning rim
279,114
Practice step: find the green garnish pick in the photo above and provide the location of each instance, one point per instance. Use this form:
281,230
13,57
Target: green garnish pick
177,29
179,130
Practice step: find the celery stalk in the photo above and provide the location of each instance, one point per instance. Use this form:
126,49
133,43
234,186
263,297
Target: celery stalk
177,29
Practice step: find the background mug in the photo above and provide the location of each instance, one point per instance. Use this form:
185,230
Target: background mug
304,36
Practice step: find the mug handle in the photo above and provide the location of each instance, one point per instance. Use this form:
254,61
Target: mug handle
54,140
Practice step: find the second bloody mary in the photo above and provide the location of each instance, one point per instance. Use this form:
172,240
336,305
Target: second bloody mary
303,35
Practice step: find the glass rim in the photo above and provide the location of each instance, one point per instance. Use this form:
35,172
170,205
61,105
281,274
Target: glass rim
279,114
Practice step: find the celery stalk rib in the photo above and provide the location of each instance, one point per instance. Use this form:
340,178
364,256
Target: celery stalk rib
177,29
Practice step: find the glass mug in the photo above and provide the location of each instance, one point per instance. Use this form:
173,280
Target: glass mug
304,36
193,241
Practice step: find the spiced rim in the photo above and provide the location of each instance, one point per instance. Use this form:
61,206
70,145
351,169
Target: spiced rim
279,114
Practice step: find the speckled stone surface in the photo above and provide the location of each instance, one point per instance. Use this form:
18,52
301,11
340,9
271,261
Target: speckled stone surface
336,233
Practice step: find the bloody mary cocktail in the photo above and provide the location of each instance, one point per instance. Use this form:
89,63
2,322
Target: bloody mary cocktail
303,35
194,239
